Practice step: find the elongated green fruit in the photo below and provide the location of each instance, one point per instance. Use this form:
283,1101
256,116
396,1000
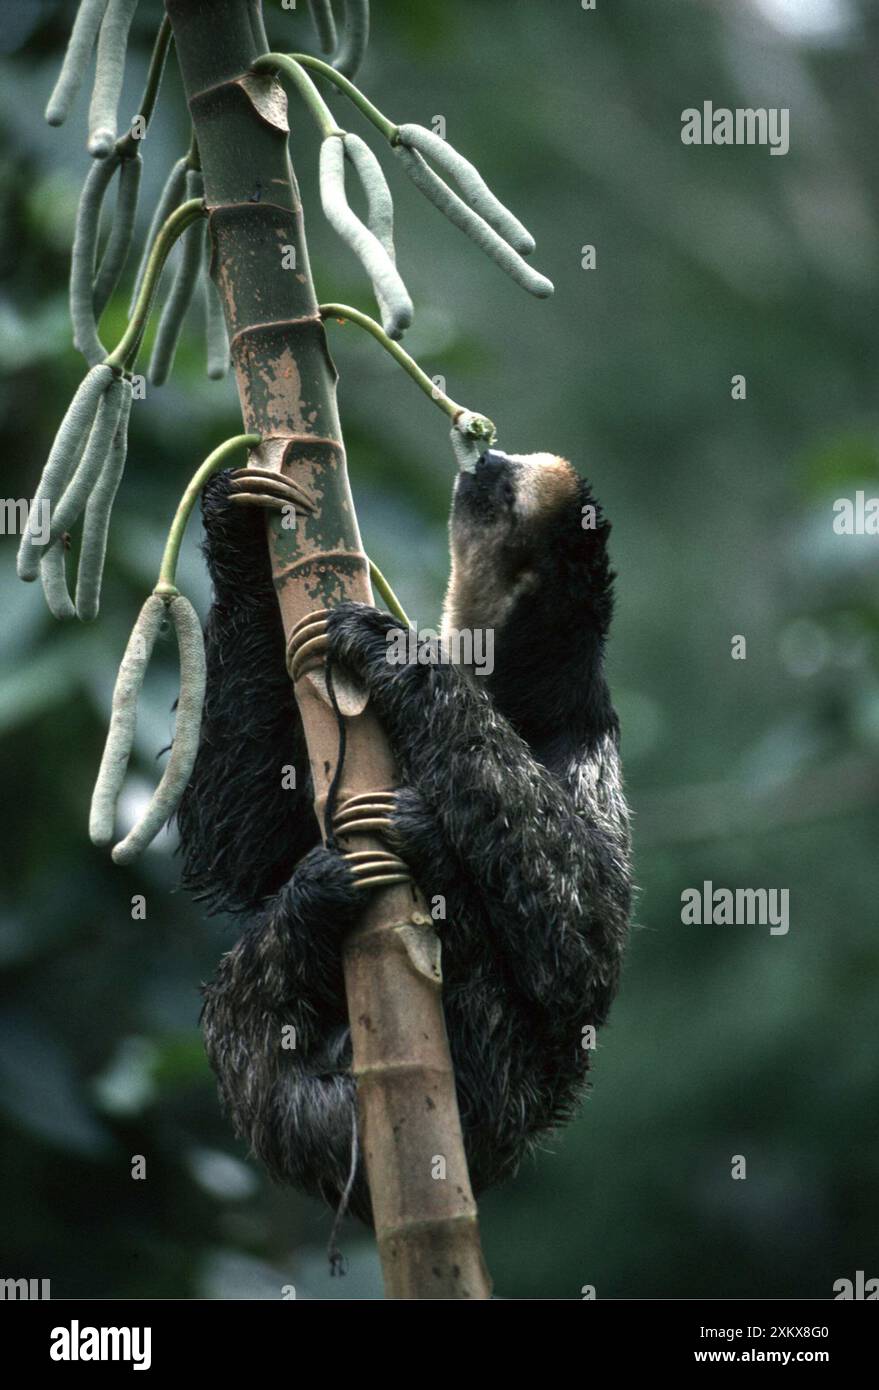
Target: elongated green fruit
476,227
96,523
379,212
355,37
170,197
82,260
324,24
193,675
387,284
183,288
109,72
216,332
53,574
379,203
471,183
76,60
123,719
63,457
119,244
71,505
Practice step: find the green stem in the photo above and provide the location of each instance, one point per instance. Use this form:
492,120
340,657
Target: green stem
279,62
372,113
166,586
123,355
381,584
445,403
128,146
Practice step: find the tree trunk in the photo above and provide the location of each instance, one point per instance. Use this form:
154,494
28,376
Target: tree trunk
410,1132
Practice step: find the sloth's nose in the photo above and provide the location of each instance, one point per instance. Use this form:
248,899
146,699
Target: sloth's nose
491,470
492,463
484,493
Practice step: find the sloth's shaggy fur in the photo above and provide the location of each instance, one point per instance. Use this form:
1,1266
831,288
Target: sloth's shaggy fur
511,809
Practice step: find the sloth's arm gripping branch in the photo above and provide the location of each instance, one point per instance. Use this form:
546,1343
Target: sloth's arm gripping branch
558,912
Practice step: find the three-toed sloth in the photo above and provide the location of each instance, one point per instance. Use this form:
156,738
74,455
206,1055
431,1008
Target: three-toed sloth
511,807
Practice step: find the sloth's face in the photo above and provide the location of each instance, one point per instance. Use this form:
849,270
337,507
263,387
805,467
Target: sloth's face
510,492
502,518
486,496
504,511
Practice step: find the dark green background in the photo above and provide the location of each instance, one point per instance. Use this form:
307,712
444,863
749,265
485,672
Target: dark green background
755,773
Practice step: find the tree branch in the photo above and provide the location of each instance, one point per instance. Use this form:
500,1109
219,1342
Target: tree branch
427,1230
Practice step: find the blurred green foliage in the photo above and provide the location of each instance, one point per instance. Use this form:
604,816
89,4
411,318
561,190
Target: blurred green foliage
762,772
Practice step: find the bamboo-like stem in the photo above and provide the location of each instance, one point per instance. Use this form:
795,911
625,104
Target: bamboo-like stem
166,584
427,1230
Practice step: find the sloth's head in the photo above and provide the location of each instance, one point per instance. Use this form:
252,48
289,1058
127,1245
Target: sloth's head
529,561
526,526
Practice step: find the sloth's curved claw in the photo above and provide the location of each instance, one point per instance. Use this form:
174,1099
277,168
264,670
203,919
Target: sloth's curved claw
257,487
376,868
368,813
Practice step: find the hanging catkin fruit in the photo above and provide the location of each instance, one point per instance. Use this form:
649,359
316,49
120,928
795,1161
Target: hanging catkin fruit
120,738
64,455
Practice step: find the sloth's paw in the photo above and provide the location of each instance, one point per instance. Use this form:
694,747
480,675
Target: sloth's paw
362,639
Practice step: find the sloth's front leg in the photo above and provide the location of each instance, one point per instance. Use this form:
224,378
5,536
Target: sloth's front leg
553,884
